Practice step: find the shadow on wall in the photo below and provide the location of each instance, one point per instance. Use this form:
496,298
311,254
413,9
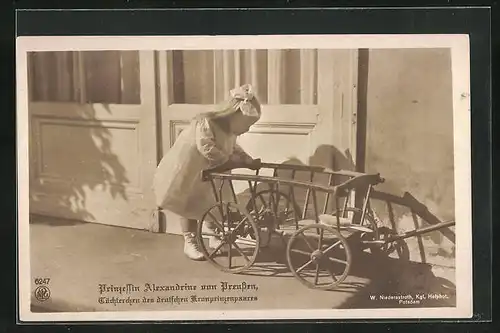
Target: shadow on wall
81,155
405,132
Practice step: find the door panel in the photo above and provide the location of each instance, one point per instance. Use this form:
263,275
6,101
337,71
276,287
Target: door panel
307,99
93,137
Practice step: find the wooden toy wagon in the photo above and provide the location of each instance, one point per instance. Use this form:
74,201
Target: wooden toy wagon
320,219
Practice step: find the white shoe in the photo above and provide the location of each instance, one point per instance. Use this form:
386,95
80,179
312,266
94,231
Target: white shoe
191,248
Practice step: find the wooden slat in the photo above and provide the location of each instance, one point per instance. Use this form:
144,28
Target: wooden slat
291,77
237,68
31,77
82,75
275,73
254,78
110,77
63,92
228,56
46,69
147,78
166,97
77,77
218,76
207,77
194,75
307,76
165,68
130,89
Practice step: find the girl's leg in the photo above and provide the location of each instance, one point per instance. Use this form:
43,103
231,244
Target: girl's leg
214,241
188,225
191,248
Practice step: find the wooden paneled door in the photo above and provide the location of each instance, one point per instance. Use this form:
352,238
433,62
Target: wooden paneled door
93,136
308,96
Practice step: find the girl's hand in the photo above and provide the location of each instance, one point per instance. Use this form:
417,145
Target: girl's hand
255,164
236,159
241,159
248,160
245,161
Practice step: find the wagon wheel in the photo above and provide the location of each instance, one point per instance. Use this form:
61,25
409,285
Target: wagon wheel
319,256
230,225
368,240
271,209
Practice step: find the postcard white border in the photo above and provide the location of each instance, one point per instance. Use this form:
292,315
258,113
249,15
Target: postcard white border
459,45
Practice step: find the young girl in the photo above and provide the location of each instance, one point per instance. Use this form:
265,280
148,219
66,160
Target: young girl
209,141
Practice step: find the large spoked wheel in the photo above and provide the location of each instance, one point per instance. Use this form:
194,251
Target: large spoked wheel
367,239
319,256
224,237
271,210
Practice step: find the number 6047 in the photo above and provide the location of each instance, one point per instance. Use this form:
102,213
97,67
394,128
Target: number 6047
40,281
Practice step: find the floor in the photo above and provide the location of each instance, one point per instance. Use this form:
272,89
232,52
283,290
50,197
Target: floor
82,259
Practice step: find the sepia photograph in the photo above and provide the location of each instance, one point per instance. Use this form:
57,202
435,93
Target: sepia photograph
244,177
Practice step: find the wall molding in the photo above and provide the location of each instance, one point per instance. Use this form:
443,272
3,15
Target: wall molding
85,122
38,122
176,126
49,179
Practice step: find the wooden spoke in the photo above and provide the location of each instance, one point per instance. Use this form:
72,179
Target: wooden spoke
301,252
337,260
320,241
209,234
332,274
316,276
222,243
229,256
301,268
241,223
307,242
328,249
241,252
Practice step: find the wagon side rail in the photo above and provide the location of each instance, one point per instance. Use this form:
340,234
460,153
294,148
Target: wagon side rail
271,180
311,169
355,178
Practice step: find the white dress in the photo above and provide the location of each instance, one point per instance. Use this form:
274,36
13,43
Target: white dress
177,184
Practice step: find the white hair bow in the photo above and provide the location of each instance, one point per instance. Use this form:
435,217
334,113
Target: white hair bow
245,95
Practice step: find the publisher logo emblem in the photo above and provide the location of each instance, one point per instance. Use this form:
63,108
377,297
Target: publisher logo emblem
42,293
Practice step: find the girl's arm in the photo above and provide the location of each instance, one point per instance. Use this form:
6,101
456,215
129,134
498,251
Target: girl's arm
205,142
240,155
